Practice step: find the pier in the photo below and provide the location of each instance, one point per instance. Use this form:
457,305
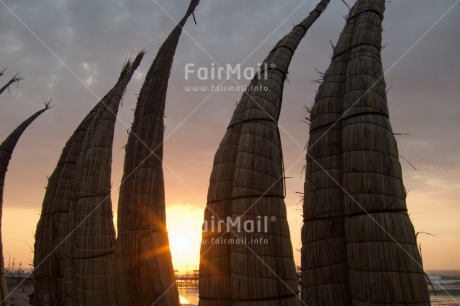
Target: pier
187,280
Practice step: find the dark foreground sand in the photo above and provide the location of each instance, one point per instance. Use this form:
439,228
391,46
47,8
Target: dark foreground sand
19,295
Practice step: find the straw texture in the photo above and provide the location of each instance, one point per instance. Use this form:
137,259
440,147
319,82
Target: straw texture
247,182
143,256
324,258
91,243
358,242
52,227
6,151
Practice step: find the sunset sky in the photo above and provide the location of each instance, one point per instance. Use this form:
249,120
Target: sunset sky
74,50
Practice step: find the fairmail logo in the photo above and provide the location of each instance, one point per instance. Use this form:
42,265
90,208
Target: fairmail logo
227,72
260,224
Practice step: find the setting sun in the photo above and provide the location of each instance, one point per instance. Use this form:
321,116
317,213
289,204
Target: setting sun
184,230
179,242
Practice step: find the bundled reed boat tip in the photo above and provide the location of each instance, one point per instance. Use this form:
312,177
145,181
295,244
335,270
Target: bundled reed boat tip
358,243
6,151
144,264
72,261
14,80
247,182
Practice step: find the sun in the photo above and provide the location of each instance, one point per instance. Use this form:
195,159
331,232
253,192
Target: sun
184,231
179,242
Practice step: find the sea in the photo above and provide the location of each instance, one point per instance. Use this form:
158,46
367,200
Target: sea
188,296
444,289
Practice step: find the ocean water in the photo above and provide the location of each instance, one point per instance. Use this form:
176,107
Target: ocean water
189,296
446,287
445,290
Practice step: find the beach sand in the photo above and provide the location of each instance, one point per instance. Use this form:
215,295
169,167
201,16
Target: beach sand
19,295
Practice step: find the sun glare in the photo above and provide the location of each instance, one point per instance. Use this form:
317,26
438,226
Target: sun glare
179,242
184,230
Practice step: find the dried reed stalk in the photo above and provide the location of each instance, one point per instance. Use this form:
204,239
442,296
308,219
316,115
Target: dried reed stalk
358,242
6,151
143,256
247,181
324,258
15,79
54,284
52,227
91,245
